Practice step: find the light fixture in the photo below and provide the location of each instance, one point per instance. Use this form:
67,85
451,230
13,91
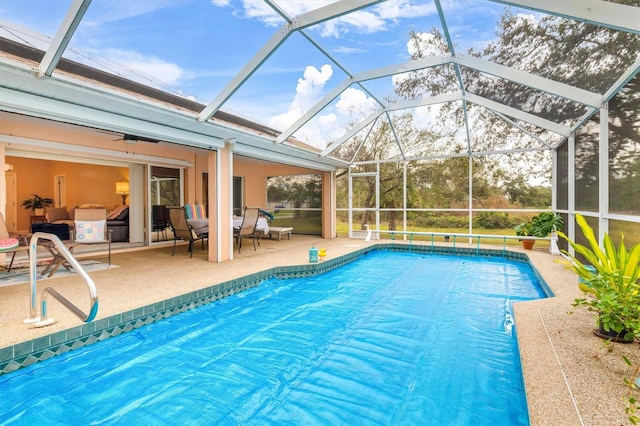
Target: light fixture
122,188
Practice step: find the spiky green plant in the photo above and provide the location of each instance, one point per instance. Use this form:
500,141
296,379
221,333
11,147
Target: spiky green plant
612,288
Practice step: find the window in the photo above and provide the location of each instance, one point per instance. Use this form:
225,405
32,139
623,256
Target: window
165,186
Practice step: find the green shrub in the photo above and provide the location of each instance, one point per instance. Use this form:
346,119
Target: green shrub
493,220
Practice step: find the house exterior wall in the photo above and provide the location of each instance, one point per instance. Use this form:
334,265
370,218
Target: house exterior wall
255,181
95,183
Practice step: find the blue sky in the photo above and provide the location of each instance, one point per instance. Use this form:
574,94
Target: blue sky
195,47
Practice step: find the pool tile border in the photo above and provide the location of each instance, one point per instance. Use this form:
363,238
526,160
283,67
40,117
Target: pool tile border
27,353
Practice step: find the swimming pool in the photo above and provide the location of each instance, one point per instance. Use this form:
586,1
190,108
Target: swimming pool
432,343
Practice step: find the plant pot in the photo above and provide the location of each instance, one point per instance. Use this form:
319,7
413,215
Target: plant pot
38,212
528,244
612,335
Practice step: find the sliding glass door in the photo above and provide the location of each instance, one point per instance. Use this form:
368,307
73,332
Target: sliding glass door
165,189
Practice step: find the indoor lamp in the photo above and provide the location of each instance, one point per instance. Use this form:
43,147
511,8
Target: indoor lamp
122,188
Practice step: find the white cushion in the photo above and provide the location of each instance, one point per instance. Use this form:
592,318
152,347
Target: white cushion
90,231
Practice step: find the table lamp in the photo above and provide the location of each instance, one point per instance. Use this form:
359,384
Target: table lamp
122,188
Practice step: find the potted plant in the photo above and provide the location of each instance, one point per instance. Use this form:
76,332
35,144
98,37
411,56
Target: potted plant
37,204
524,230
610,279
541,225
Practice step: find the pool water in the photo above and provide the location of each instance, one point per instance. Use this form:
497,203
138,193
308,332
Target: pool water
393,338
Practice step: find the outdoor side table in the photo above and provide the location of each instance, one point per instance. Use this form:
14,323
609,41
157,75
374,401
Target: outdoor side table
58,259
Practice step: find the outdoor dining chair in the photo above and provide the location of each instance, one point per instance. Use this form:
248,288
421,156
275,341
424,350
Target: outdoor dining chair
182,230
248,227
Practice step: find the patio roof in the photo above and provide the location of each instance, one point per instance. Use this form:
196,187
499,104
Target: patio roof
357,45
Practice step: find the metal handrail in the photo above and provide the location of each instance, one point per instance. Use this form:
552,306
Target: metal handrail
68,256
553,239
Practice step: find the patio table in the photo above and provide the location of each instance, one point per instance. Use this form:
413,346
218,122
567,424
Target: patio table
200,226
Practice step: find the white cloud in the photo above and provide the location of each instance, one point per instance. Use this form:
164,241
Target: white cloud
146,69
397,9
365,21
425,116
310,86
297,7
352,105
349,50
361,22
355,104
327,121
257,9
427,46
115,10
308,91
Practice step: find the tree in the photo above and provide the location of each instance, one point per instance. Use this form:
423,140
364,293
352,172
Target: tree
576,53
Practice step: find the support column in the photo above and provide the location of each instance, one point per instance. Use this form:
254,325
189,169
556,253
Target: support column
3,195
329,205
603,174
3,183
220,165
571,189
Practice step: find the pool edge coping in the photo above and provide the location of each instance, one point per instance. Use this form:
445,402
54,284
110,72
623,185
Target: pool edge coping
29,352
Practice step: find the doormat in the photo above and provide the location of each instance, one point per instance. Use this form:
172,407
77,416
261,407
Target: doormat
21,275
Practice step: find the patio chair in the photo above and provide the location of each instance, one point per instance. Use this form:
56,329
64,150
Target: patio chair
248,227
182,230
160,217
5,236
91,228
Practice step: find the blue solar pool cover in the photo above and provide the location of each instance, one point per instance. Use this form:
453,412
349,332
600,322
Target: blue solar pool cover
394,338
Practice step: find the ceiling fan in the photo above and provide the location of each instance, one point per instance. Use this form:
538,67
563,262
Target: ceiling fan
128,138
133,139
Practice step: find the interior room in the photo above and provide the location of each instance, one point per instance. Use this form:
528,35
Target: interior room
69,185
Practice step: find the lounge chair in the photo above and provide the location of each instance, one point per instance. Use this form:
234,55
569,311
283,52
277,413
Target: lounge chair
182,230
248,227
23,244
90,227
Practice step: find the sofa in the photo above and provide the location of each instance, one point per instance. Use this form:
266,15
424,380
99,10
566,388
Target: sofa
117,219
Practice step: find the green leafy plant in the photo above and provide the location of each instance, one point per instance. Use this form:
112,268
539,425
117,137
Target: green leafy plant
611,283
633,404
546,223
524,229
609,279
540,225
37,202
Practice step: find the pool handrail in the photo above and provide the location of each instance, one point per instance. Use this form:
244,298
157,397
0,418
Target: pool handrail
553,239
62,250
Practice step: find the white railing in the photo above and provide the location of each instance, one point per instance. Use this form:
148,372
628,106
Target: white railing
448,236
60,250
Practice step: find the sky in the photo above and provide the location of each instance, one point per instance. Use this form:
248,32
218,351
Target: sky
196,47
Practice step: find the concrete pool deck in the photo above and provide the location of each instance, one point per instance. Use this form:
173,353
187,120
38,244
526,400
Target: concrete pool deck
571,378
